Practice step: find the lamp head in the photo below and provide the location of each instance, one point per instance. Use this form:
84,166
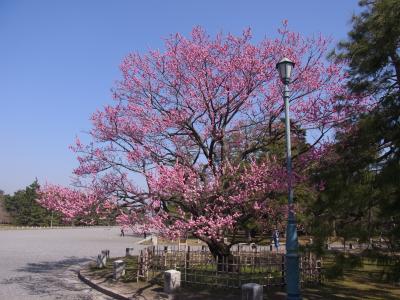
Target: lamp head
285,67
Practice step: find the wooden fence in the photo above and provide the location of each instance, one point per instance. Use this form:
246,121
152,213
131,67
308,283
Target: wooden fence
198,266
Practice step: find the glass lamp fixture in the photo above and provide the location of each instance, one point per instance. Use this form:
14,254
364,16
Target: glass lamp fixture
285,67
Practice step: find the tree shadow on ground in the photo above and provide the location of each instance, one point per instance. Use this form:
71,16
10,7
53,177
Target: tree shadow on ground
153,289
55,278
339,291
51,266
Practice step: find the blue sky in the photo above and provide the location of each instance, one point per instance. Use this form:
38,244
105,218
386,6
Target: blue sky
59,60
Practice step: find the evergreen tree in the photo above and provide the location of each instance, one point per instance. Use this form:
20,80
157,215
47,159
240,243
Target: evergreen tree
26,211
362,194
373,50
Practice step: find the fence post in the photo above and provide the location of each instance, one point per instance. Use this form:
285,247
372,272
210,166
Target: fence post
283,270
188,256
318,267
238,269
101,260
106,253
118,269
138,269
216,271
187,263
129,251
141,273
145,266
303,274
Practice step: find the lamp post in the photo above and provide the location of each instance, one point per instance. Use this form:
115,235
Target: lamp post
285,67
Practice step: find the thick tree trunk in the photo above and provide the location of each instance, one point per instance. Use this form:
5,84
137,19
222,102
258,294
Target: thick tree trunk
223,256
219,249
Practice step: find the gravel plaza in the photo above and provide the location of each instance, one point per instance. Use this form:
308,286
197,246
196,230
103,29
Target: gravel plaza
42,263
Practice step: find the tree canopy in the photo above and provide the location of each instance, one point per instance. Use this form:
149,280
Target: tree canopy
201,122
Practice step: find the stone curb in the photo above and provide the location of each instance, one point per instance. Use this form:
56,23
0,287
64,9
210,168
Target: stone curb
101,289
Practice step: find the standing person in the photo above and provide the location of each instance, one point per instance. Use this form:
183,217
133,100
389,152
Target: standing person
275,238
122,232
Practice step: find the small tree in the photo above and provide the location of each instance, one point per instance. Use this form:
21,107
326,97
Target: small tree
201,123
24,209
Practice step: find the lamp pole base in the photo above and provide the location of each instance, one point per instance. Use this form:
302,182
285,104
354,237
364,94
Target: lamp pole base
293,297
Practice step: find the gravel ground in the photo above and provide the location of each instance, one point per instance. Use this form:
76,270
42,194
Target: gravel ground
42,263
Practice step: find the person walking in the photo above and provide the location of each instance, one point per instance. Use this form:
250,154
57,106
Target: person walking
275,238
122,232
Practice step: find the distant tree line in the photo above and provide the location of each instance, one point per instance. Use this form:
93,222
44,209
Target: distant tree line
25,211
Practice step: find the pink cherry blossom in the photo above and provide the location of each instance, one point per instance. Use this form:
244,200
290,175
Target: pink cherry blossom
200,122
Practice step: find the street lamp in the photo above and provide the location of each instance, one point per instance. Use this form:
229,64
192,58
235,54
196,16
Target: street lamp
285,67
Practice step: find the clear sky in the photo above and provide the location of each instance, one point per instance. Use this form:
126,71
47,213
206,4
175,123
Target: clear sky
59,59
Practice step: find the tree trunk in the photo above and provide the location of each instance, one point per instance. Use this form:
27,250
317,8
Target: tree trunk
223,256
334,228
